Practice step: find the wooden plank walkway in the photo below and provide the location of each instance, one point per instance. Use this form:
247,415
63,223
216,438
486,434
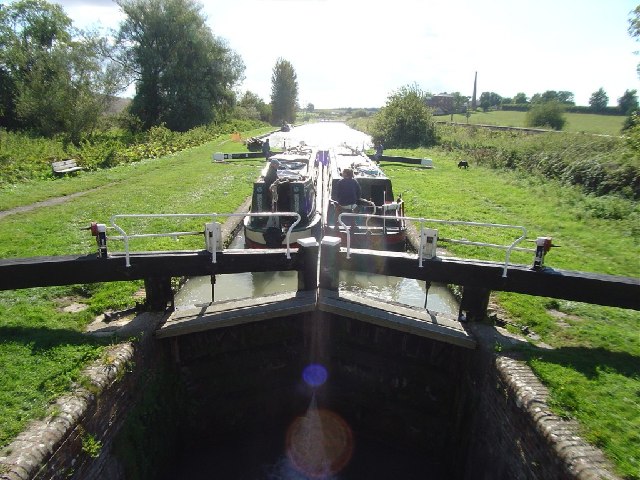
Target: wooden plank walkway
437,326
237,312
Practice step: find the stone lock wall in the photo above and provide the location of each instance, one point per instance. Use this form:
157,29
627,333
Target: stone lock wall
511,432
483,413
75,441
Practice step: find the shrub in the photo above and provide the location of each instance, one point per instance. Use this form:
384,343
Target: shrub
405,121
599,165
548,114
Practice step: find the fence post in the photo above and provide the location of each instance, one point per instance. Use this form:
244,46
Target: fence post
329,271
308,276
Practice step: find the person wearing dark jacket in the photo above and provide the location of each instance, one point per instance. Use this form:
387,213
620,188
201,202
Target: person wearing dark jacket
348,190
266,149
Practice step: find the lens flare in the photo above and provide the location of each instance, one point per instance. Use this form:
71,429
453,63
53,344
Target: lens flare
315,375
319,444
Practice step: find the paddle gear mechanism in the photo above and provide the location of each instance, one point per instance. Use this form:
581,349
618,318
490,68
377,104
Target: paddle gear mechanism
543,245
99,230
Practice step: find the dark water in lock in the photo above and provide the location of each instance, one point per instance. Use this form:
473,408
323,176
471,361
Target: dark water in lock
262,456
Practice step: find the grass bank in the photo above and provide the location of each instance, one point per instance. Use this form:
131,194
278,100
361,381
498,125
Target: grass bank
576,122
42,345
592,369
593,365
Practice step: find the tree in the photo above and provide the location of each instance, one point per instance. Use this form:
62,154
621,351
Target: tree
53,77
520,98
489,100
460,102
252,106
628,102
184,75
562,96
284,92
546,114
599,100
310,107
566,97
405,121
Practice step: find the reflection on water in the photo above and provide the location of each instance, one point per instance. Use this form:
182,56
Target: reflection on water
407,291
323,135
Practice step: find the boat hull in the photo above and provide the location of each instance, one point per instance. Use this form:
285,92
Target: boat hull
395,241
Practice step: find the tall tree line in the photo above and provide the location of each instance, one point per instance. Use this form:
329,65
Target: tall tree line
284,92
55,79
184,75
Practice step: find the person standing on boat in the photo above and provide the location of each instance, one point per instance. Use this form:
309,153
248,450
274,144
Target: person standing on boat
266,149
270,177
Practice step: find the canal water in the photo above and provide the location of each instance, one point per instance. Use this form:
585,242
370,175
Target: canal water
198,291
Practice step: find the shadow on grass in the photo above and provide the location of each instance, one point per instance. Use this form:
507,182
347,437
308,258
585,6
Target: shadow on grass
588,361
42,339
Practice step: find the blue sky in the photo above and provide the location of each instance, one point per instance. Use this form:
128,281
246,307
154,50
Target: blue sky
354,53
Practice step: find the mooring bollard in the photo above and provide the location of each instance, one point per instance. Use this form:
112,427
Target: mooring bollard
308,276
329,272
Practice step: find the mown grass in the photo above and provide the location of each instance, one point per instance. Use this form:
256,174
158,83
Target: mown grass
576,122
593,369
42,347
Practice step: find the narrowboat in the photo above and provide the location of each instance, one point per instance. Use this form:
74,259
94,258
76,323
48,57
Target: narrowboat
380,225
291,188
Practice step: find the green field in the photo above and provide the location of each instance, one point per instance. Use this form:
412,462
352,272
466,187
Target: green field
576,122
592,367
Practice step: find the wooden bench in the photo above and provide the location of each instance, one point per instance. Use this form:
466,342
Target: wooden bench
65,166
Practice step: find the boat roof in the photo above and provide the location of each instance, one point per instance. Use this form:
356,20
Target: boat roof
293,163
359,162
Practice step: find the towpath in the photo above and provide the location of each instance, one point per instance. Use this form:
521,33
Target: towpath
45,203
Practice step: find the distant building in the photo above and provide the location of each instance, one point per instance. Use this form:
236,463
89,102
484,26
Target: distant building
442,104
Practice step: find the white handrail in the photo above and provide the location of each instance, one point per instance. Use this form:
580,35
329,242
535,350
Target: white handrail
509,247
213,216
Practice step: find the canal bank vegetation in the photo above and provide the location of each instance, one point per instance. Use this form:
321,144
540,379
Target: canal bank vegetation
589,356
575,122
42,344
592,353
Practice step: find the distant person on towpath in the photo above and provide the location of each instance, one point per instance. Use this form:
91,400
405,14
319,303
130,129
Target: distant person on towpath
379,150
266,149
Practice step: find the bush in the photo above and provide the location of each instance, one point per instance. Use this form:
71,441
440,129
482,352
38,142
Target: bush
548,114
23,157
599,165
405,121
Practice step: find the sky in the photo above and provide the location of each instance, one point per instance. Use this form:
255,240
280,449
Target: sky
355,53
